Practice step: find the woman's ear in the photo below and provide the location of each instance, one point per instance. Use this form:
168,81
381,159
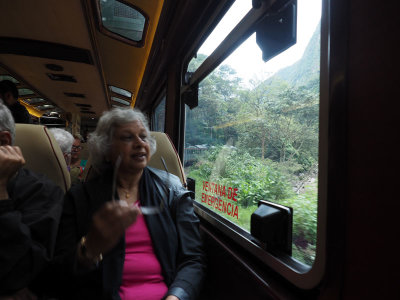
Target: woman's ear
5,138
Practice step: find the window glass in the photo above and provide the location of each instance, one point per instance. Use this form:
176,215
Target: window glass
119,100
235,13
254,134
158,119
34,100
8,77
122,19
45,107
24,92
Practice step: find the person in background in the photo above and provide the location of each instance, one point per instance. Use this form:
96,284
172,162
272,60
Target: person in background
76,163
65,140
30,211
9,95
131,232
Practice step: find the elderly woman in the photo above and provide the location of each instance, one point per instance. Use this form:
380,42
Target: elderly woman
116,248
65,140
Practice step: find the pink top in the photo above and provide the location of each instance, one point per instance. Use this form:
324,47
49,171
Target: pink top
141,277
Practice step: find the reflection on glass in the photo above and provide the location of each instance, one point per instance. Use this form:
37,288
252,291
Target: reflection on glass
254,136
122,19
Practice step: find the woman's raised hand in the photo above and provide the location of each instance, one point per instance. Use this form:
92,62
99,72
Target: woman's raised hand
11,159
108,226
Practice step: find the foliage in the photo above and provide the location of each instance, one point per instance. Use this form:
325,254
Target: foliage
305,215
255,179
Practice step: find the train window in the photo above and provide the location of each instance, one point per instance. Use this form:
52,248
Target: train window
8,77
255,132
34,100
158,117
119,100
25,92
45,107
122,19
120,91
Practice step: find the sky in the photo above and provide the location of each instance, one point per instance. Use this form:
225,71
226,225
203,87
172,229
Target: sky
247,59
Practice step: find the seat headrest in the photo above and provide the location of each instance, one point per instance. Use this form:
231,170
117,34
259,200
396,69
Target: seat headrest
166,150
42,153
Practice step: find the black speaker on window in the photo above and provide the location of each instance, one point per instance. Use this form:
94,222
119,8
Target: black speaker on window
278,30
271,225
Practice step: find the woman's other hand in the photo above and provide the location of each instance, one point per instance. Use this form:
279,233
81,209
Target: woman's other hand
108,226
172,297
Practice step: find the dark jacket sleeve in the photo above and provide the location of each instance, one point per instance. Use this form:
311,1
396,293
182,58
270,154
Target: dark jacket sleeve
191,259
28,229
67,236
67,278
20,113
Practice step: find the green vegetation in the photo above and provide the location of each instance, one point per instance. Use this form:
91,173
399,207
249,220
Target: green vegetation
256,180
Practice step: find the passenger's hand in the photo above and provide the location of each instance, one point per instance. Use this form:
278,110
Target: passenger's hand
108,226
172,297
11,159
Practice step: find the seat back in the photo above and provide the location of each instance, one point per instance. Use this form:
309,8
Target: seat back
165,151
42,153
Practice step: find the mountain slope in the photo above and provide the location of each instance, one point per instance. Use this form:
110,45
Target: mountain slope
307,69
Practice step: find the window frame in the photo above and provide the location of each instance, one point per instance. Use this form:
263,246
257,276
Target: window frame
301,275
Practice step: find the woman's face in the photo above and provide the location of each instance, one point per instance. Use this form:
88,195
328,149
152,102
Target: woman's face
76,149
131,142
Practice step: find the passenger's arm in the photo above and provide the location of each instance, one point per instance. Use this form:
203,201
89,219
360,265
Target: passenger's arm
104,229
191,260
69,268
28,228
11,160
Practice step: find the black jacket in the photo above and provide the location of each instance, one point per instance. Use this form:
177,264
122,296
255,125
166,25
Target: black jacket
28,228
174,232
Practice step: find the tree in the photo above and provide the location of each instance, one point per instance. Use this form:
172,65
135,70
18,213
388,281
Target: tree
210,121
